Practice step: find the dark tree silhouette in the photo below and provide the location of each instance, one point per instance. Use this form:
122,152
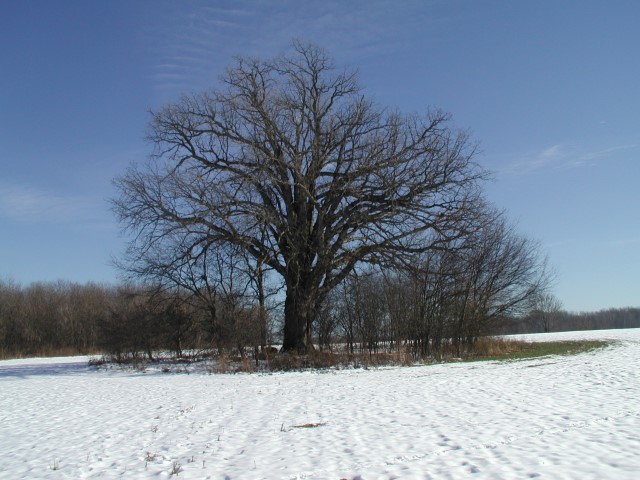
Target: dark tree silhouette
291,163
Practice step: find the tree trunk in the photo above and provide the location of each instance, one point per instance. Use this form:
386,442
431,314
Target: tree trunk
299,309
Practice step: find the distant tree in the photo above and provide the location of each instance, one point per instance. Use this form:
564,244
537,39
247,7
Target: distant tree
133,327
546,309
456,294
498,275
429,292
293,165
12,319
326,324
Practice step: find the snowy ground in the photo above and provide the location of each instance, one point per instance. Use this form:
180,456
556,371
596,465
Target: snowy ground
572,417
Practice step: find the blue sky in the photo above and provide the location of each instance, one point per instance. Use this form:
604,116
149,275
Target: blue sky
550,89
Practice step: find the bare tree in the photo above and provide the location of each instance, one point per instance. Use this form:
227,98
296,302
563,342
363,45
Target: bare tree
326,324
12,319
497,275
293,165
546,308
428,291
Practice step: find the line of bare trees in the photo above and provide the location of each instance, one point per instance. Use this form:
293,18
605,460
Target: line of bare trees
126,322
538,321
440,306
444,301
59,317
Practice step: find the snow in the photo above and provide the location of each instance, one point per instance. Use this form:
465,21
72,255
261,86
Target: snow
554,417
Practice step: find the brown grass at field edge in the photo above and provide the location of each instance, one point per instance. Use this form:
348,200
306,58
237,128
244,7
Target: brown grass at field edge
502,349
484,349
46,352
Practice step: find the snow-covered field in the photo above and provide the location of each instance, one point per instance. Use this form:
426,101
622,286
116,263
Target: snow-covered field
556,417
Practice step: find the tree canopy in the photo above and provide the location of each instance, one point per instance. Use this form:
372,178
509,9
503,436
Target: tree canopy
291,163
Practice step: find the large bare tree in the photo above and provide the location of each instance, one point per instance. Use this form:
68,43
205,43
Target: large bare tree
289,161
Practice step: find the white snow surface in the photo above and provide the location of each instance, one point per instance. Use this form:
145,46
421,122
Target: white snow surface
560,417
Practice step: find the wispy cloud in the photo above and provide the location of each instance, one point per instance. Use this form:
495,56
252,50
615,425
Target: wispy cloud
625,242
195,45
190,45
29,204
550,156
598,155
561,157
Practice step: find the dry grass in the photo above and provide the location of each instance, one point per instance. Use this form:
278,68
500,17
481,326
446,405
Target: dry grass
310,425
496,347
6,354
319,360
485,348
500,348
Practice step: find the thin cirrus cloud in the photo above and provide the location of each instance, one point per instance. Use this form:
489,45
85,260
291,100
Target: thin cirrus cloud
625,242
187,49
193,48
599,155
549,157
29,204
562,157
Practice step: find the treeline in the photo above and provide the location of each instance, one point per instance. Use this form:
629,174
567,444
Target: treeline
562,321
422,312
52,318
126,322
